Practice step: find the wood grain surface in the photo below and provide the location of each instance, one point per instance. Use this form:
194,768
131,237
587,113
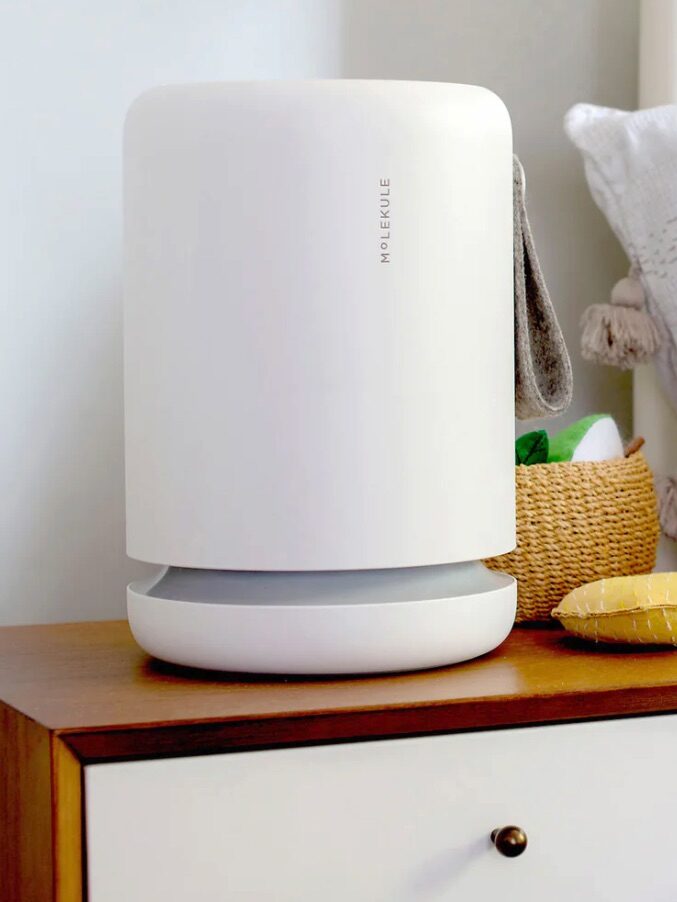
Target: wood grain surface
94,687
26,859
67,823
40,814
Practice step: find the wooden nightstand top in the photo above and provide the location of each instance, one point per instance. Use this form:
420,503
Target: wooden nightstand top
76,694
90,684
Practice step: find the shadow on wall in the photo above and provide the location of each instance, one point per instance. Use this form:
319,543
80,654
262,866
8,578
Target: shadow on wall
540,58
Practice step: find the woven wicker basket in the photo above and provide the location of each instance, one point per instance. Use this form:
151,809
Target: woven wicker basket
577,522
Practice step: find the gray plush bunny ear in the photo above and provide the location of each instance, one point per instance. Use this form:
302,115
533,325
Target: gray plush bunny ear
543,377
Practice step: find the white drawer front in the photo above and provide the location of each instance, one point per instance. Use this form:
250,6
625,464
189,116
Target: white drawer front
395,820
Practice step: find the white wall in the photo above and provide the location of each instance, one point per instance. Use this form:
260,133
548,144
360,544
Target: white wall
68,72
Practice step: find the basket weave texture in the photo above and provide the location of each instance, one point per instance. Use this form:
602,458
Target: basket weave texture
578,522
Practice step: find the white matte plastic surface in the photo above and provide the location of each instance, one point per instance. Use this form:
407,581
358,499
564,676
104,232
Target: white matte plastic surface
294,399
328,638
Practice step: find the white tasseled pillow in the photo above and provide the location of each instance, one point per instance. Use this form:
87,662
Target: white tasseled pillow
631,167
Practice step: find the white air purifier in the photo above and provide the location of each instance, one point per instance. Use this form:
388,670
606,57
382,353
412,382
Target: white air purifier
319,395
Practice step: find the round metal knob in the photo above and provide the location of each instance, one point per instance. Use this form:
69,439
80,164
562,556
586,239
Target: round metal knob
510,841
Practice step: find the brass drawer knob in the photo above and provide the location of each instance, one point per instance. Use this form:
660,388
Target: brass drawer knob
510,841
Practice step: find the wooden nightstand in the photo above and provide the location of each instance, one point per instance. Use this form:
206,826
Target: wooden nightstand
124,779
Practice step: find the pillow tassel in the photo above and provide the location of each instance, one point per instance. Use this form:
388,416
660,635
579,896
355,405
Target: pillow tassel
620,334
666,488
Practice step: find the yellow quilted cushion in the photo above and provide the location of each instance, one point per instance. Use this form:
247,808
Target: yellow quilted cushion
639,609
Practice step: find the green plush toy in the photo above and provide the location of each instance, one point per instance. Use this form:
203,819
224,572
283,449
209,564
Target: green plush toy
532,448
593,438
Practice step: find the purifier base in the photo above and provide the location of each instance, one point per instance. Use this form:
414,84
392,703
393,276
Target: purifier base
323,638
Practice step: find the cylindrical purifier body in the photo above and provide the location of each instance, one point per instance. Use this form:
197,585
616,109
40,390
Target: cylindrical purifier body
318,326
